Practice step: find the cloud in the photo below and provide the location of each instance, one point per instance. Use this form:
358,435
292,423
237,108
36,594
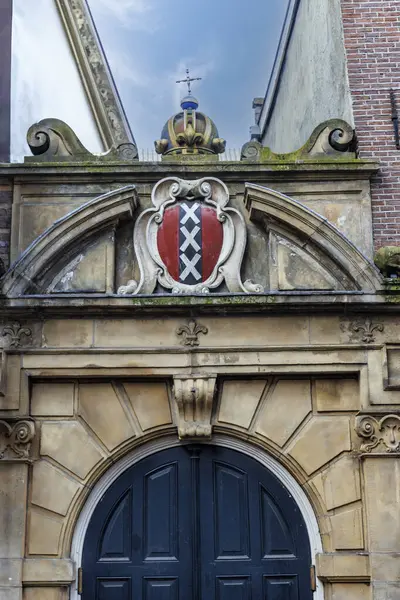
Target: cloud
198,68
123,69
131,14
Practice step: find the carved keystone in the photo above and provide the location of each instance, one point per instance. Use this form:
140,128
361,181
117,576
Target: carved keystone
193,397
16,439
382,434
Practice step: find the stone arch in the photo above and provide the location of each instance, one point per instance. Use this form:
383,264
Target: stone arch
52,253
81,518
314,447
320,246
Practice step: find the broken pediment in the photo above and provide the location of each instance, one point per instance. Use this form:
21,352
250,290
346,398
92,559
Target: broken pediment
192,240
75,254
305,250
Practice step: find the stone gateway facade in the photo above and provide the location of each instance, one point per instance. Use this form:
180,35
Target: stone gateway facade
281,371
200,365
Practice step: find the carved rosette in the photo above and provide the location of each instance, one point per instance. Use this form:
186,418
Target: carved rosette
16,440
381,435
193,397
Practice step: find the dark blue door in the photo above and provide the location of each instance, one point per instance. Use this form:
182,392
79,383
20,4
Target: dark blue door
196,523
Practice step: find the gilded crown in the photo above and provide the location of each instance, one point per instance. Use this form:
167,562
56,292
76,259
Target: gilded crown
189,132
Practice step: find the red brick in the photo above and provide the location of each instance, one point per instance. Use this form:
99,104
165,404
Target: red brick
372,41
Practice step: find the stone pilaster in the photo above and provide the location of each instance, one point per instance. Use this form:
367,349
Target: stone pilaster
15,453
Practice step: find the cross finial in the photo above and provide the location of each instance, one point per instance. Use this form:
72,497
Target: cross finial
188,80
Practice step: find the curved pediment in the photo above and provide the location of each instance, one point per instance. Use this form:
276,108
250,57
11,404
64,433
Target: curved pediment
305,250
77,252
285,247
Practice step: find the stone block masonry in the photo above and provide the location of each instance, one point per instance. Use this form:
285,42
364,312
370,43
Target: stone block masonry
372,41
5,224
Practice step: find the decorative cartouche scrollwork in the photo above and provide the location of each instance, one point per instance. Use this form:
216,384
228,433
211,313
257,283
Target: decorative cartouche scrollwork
14,335
383,434
190,333
366,329
16,439
205,206
194,398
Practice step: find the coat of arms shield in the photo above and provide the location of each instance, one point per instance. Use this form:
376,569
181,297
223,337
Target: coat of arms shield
191,241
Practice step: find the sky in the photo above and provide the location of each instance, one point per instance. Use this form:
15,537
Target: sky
231,44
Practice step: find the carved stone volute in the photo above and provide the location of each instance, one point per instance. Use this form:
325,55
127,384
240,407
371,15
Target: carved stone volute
193,398
380,435
16,440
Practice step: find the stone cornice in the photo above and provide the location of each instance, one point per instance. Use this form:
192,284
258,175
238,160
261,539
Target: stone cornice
137,172
350,304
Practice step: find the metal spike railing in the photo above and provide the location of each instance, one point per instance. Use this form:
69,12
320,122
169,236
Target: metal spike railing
150,155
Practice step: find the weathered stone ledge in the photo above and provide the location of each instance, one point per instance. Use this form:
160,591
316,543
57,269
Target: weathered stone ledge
342,303
148,171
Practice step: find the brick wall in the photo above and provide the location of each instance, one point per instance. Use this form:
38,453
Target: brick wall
372,41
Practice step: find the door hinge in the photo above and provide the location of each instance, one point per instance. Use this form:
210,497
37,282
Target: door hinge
80,578
313,578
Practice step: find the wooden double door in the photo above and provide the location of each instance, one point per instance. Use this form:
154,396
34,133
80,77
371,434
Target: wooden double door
196,523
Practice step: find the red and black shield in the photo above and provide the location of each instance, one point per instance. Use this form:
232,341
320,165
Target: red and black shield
189,241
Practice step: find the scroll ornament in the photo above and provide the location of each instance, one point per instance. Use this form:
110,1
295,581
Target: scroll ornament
193,398
379,434
333,138
16,439
52,140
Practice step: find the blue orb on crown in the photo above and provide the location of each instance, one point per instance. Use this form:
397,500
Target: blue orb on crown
189,103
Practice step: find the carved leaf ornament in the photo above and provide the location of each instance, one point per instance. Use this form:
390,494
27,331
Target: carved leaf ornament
15,334
190,333
367,330
191,241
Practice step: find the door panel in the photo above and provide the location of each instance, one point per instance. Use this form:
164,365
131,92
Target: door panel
113,589
160,535
276,535
231,510
115,541
236,588
196,523
160,588
280,588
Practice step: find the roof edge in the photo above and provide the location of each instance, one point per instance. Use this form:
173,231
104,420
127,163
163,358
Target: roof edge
278,66
95,73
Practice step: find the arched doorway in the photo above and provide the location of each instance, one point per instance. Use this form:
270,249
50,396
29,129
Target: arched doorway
196,522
